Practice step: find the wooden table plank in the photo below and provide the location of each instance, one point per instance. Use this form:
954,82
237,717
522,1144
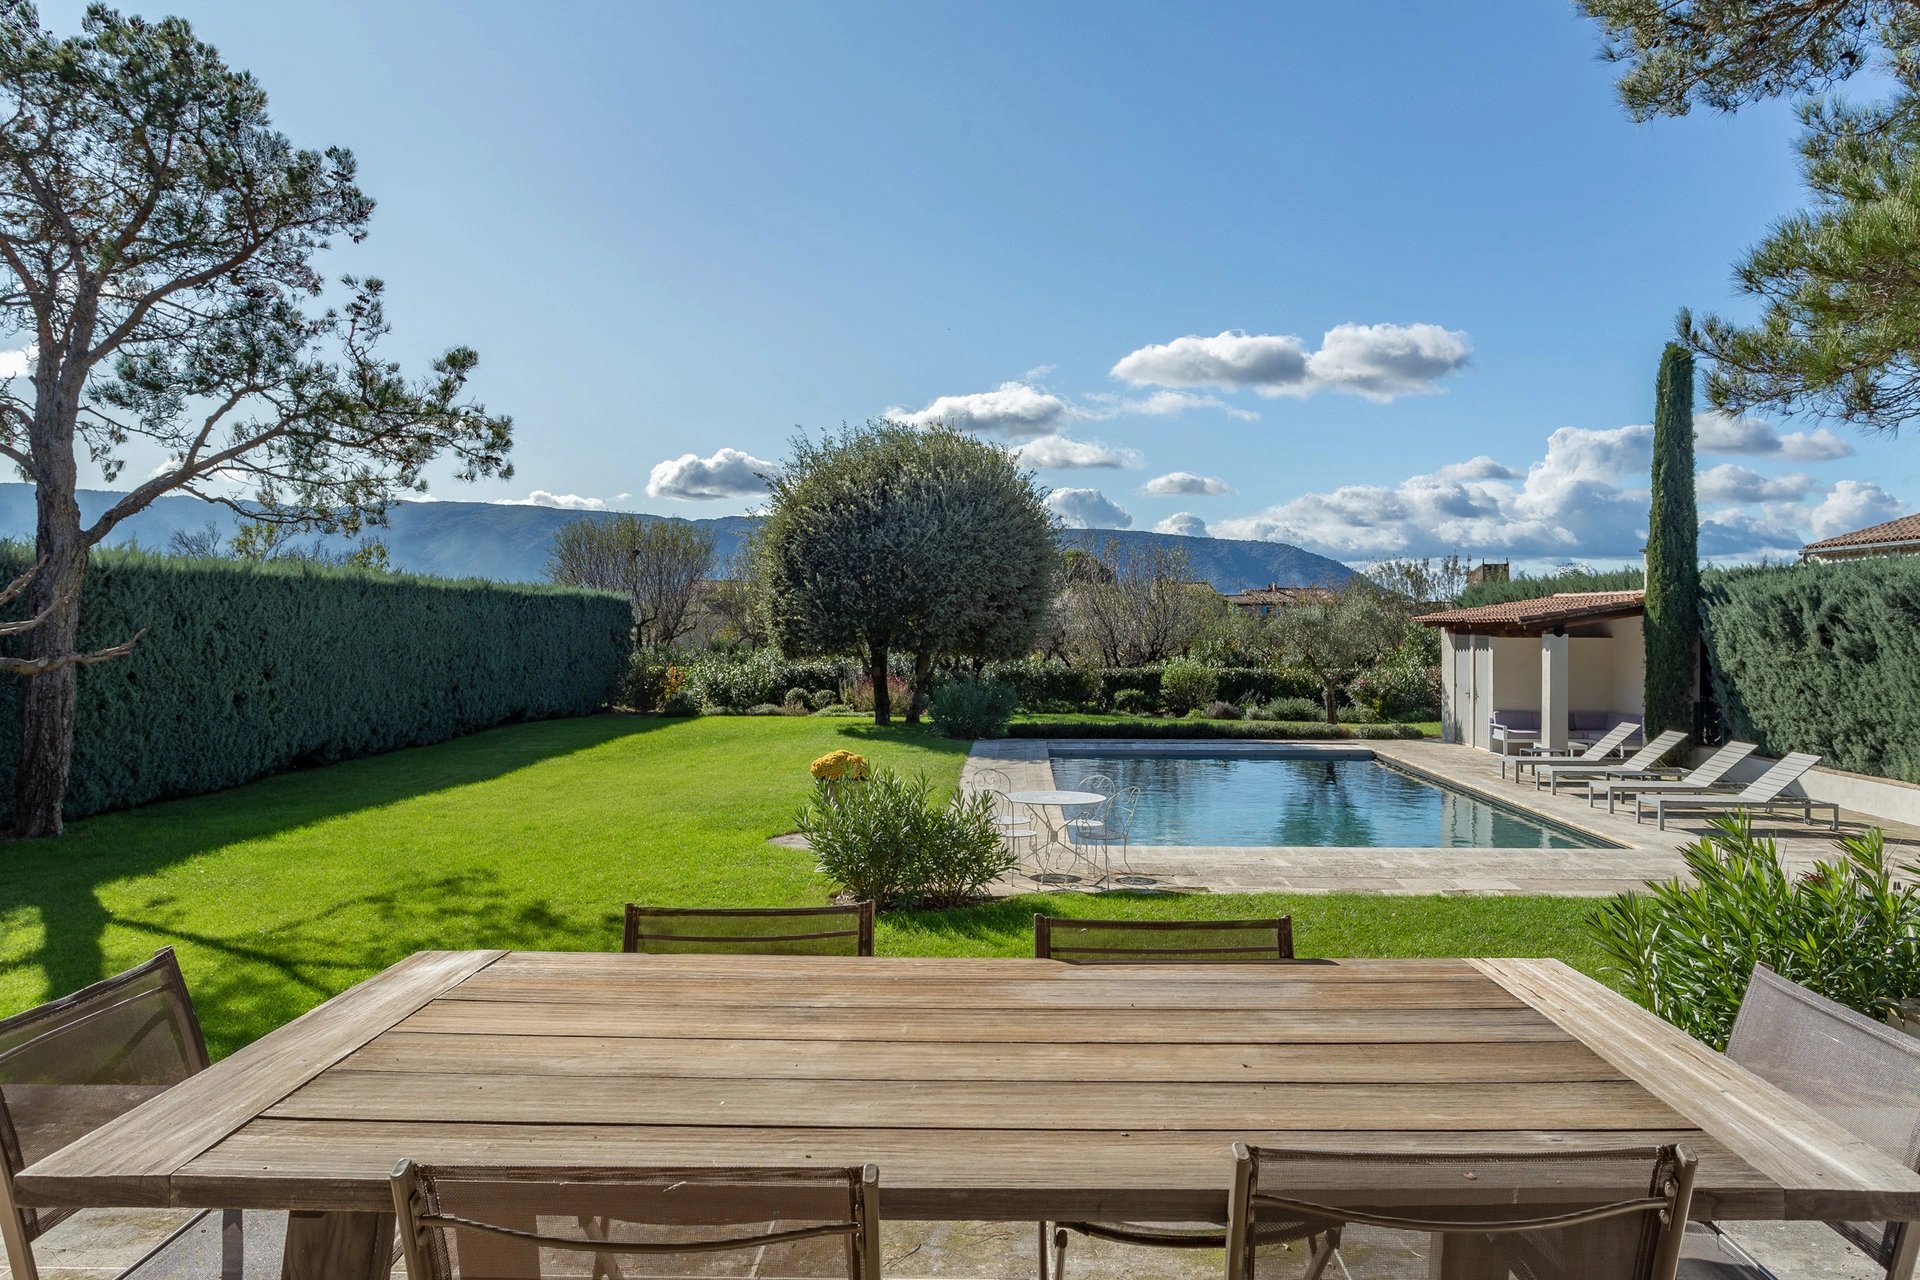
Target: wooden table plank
848,971
479,1053
145,1146
1820,1166
973,1026
638,991
538,1099
1097,1174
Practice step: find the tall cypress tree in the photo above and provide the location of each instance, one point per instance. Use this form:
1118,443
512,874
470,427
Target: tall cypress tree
1673,551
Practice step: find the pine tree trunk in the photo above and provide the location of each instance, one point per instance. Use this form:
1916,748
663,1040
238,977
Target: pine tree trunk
47,701
877,672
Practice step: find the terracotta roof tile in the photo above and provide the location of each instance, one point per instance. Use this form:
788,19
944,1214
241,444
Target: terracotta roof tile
1541,612
1905,529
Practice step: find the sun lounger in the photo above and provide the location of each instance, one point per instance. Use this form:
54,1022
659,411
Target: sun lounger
1766,792
1597,750
1703,779
1644,763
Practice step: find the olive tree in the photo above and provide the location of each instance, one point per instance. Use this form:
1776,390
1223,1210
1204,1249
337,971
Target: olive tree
888,537
657,563
157,256
1339,638
1129,607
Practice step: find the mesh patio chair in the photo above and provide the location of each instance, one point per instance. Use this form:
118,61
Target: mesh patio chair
70,1066
523,1223
1552,1215
1162,941
1707,776
1859,1073
1763,795
1606,746
1155,942
761,931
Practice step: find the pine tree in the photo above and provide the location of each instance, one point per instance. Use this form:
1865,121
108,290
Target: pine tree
1673,551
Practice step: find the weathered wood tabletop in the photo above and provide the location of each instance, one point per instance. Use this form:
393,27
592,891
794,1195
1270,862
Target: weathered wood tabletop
984,1089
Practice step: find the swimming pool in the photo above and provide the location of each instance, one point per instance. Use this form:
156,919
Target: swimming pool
1315,798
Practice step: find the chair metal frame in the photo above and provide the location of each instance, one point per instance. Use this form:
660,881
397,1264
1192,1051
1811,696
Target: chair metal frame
861,1227
1111,823
1609,744
859,926
21,1225
1044,947
1671,1204
1899,1242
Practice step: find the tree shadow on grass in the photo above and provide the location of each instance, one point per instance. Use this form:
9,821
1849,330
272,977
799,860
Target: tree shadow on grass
60,879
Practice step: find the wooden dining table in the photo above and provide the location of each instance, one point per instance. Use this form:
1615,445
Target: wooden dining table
984,1089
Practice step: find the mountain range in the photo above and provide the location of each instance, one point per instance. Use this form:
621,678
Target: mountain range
509,542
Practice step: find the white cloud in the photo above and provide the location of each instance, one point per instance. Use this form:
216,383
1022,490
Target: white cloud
1715,432
1379,362
1088,509
1161,404
729,473
18,364
1058,453
562,501
1586,499
1730,482
1184,523
1814,446
1016,410
1854,504
1186,483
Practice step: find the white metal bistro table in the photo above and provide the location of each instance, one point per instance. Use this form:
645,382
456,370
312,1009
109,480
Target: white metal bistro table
1057,834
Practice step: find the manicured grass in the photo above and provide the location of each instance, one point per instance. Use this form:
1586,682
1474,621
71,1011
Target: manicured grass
281,893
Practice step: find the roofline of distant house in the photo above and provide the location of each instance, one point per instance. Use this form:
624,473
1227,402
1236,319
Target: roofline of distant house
1823,548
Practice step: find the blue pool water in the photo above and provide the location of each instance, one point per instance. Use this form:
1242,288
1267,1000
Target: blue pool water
1197,798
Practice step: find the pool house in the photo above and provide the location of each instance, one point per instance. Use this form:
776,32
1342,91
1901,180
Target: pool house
1552,670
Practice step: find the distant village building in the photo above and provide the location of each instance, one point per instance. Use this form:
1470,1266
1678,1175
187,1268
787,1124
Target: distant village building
1490,571
1894,538
1261,601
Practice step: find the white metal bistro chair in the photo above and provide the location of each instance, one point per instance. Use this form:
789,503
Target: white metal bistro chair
1110,826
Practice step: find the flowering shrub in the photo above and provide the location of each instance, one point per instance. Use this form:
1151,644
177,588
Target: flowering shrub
839,766
860,696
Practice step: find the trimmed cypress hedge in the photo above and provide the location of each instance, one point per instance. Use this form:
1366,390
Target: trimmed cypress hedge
1822,658
1068,727
248,669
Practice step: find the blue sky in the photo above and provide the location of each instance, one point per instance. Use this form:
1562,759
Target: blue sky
676,233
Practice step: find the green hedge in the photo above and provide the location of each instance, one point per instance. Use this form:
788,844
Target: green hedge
734,682
1822,658
1068,727
1238,685
1037,681
248,669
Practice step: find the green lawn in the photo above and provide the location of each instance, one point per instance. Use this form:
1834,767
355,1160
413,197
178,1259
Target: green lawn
282,893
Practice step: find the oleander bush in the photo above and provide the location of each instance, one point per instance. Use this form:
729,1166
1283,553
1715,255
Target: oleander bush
249,668
1847,930
970,708
887,839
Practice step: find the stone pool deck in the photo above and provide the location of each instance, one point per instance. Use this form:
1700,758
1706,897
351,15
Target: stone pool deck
1641,852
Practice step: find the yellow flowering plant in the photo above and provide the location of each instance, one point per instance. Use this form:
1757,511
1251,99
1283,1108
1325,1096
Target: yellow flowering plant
839,766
